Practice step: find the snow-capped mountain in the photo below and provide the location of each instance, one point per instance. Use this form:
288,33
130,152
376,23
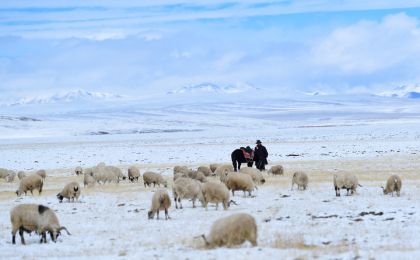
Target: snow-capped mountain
410,91
71,96
207,87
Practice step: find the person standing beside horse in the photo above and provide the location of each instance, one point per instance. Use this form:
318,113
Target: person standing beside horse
260,156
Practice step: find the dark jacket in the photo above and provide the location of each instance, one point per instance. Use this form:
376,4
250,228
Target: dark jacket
260,153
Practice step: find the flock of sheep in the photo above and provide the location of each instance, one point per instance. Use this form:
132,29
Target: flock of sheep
188,184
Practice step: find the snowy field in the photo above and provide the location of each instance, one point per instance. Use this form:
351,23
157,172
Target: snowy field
109,221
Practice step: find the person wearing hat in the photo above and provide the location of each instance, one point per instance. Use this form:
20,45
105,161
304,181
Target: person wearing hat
260,156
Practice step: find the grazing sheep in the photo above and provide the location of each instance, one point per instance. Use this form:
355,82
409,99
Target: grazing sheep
30,183
88,180
237,181
155,178
205,170
301,179
6,174
117,172
214,166
393,184
38,218
232,231
78,170
186,188
180,175
196,175
133,173
104,174
160,201
215,193
346,181
21,175
71,191
255,174
222,169
42,173
181,169
276,170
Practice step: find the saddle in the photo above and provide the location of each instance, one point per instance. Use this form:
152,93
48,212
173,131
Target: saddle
249,156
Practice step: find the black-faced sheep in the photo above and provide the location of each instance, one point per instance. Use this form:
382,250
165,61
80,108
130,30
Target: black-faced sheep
32,217
160,201
186,188
133,173
214,166
232,231
78,170
393,184
301,179
71,192
153,178
30,183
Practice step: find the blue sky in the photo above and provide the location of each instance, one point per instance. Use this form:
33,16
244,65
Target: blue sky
138,47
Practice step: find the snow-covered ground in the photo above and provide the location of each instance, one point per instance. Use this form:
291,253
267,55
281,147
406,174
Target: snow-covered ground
373,137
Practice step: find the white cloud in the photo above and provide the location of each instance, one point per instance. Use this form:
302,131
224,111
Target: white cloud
368,46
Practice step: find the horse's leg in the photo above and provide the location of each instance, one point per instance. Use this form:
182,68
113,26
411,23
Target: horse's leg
234,163
239,165
250,163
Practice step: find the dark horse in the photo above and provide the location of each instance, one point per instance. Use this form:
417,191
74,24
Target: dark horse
238,157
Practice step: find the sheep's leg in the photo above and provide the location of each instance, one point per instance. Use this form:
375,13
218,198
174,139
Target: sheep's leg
205,205
193,200
175,199
22,240
292,186
180,203
14,236
166,214
157,214
253,242
217,205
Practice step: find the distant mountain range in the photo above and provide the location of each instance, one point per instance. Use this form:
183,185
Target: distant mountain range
406,91
207,87
71,96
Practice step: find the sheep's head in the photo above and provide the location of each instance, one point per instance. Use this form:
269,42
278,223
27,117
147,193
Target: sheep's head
19,192
57,232
165,184
262,181
150,214
60,197
384,190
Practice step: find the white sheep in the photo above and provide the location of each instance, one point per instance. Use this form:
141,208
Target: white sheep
276,170
346,181
238,181
214,166
42,173
32,217
205,170
181,169
78,170
160,201
117,172
71,192
301,179
197,175
393,184
88,180
232,231
155,178
133,173
186,188
6,174
215,193
222,169
21,175
255,174
30,183
103,174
